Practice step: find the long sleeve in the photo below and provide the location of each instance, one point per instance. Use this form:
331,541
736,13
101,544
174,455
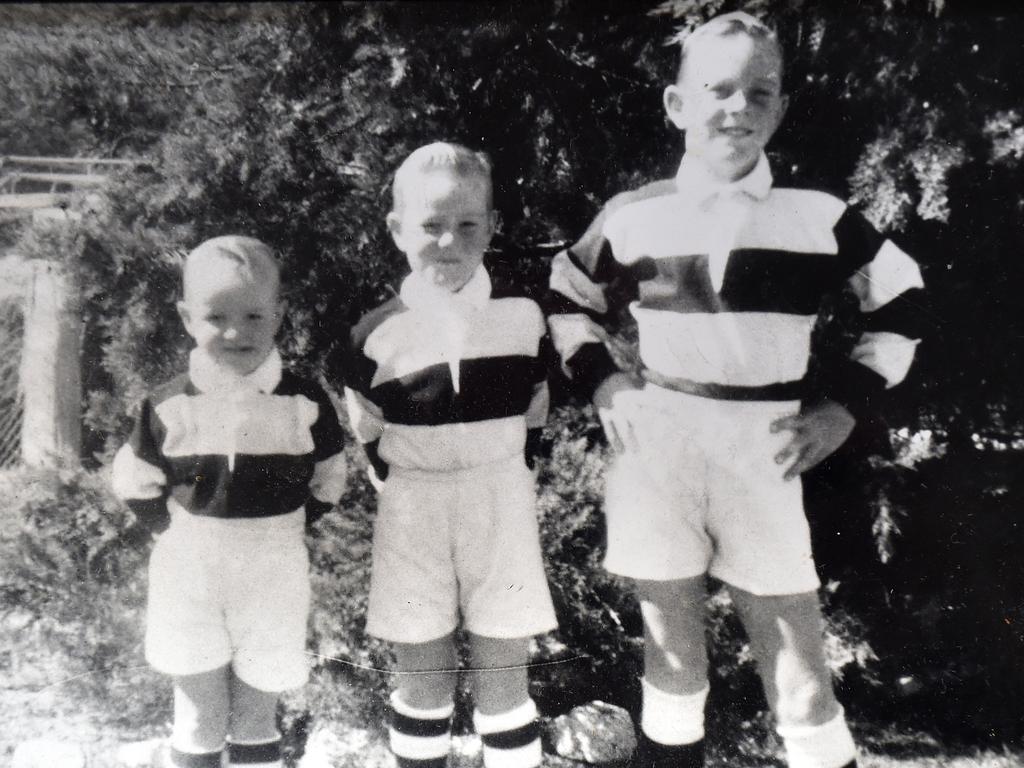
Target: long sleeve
888,286
584,299
330,470
365,416
138,474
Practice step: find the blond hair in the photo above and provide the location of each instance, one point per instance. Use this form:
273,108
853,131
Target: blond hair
729,25
252,259
441,156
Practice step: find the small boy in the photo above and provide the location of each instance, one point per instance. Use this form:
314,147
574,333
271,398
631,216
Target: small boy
446,387
727,274
228,463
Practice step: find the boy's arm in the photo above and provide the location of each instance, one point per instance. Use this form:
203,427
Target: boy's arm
138,475
330,471
540,402
888,286
365,416
578,306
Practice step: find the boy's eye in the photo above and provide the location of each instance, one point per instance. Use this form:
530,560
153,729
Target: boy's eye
432,228
468,225
214,318
255,316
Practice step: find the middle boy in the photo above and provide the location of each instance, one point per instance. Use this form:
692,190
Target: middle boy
446,389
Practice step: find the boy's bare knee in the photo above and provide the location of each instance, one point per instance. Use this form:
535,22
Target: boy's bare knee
500,672
426,672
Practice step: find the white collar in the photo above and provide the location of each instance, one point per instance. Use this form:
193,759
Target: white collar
697,185
207,376
417,293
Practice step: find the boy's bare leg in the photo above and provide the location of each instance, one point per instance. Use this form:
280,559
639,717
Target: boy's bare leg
426,672
505,716
675,685
675,647
499,672
253,713
253,726
786,639
202,705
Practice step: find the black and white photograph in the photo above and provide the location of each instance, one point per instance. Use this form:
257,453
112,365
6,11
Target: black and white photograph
549,384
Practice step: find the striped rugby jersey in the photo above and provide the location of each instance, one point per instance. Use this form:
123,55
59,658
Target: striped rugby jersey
725,284
245,447
441,382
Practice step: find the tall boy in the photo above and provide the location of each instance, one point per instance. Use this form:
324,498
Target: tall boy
228,463
728,275
445,385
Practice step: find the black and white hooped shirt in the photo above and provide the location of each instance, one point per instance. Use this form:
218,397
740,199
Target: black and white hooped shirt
440,382
220,445
725,282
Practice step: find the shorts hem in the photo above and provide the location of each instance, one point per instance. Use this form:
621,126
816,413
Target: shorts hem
640,575
512,633
410,638
760,590
184,670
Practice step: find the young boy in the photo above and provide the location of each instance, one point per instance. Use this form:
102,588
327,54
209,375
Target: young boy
727,273
228,463
446,388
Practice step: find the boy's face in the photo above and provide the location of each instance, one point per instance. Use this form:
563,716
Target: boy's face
232,317
729,102
444,226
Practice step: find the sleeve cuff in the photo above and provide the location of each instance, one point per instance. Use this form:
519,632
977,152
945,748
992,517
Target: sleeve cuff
532,448
151,514
315,509
380,467
590,366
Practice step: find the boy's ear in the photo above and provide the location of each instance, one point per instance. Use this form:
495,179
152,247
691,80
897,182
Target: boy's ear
675,106
495,221
282,307
185,315
394,222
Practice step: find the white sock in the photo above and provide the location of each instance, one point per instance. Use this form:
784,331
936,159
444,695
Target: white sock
828,745
672,718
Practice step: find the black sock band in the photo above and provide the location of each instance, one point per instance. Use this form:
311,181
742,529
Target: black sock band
195,759
262,752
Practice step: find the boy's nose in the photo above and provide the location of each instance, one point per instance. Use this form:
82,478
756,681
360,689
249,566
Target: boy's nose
445,240
230,333
737,102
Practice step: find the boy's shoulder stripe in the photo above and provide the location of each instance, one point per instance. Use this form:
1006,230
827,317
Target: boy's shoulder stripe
649,191
293,384
179,385
369,322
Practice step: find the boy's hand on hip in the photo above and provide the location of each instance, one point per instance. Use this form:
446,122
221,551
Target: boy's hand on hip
614,417
817,431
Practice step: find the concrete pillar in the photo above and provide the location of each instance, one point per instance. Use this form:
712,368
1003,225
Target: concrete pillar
51,430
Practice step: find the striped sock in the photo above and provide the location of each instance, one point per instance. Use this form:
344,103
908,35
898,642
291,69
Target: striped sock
181,759
511,739
420,738
828,745
261,754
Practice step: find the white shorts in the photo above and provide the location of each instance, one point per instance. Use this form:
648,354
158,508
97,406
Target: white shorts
230,591
458,545
702,494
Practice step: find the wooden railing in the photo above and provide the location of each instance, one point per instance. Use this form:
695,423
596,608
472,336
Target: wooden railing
28,183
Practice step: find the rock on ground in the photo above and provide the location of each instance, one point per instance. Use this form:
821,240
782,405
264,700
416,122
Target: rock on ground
594,733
